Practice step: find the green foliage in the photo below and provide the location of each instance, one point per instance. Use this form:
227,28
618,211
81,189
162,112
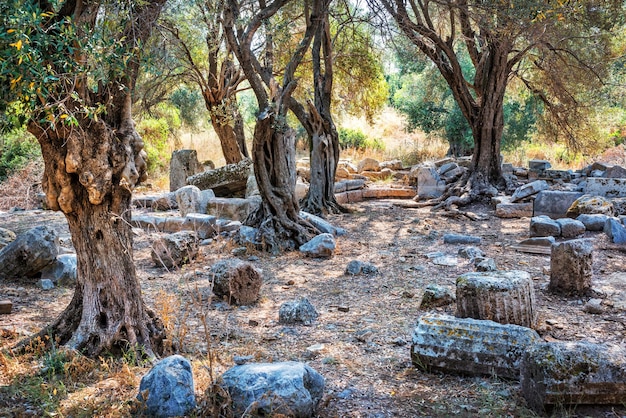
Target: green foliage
17,148
189,104
155,133
355,138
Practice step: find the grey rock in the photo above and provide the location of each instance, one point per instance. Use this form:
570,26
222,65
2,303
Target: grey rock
167,390
227,181
593,306
393,165
573,373
184,163
470,346
615,172
514,210
191,199
571,265
539,165
62,272
297,312
356,267
236,209
429,183
615,230
471,252
453,175
554,203
543,226
248,236
204,226
619,203
571,228
237,281
460,239
485,264
270,389
539,241
252,188
323,225
368,164
174,250
29,253
593,222
46,284
322,245
436,295
529,189
6,237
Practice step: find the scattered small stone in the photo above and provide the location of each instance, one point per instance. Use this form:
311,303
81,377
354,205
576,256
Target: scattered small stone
345,394
356,267
322,245
46,284
239,251
399,342
297,312
253,258
408,295
239,360
6,306
471,252
435,295
460,239
485,264
593,306
364,335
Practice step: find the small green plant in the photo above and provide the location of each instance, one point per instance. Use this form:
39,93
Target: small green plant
355,138
155,133
16,150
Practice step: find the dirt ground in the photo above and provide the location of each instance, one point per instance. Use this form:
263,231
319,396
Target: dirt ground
361,340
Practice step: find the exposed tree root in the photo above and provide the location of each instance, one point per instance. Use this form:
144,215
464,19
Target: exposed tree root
467,190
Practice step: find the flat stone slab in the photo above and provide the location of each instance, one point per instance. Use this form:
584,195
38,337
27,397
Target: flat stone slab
514,210
607,187
529,189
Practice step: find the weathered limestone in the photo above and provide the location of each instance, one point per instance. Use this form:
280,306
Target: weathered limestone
460,239
167,390
573,373
539,165
554,203
593,222
205,226
619,203
226,181
6,237
615,230
356,267
591,204
29,253
236,209
184,163
514,210
322,245
62,271
347,185
507,297
236,281
615,172
322,224
289,389
389,193
571,228
299,311
368,164
543,226
571,265
607,187
162,202
174,250
435,295
470,346
429,184
191,199
529,189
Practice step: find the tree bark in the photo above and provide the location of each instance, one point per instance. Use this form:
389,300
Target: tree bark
107,312
228,139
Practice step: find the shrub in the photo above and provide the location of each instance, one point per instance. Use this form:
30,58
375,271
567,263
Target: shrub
155,134
17,149
354,138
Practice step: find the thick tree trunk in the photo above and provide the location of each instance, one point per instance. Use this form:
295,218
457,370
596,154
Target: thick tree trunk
88,175
280,225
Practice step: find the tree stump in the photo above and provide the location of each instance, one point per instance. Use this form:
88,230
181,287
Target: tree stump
237,281
506,297
29,253
571,265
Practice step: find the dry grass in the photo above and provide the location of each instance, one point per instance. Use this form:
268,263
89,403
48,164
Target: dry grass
21,188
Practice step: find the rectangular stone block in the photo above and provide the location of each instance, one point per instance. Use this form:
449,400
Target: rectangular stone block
470,346
514,210
573,373
554,203
6,306
607,187
342,198
355,196
389,193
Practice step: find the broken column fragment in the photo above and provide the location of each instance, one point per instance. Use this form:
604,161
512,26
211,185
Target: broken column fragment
506,297
573,373
571,265
470,346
